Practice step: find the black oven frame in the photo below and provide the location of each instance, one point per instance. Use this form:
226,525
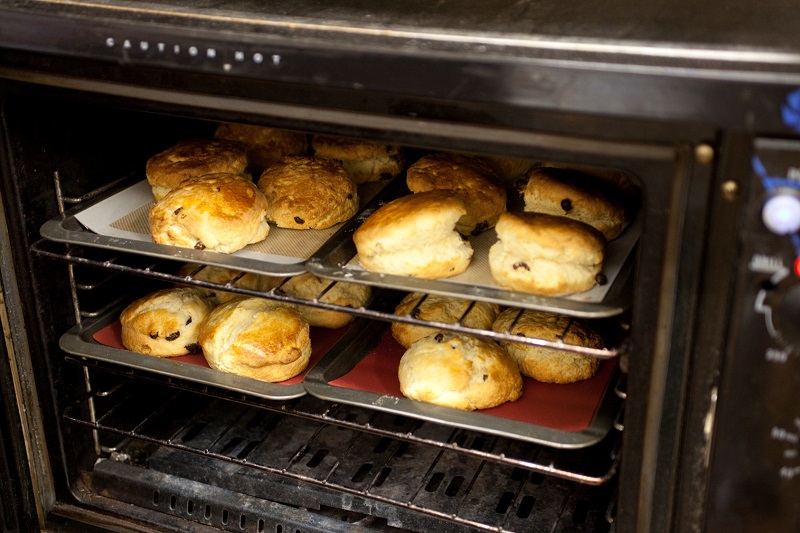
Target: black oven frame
706,117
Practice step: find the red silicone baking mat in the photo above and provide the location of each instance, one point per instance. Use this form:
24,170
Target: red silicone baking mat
321,341
569,407
363,372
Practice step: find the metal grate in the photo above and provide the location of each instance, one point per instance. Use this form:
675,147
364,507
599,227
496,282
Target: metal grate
381,308
410,473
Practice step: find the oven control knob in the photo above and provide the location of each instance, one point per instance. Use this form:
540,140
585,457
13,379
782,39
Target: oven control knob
781,213
786,315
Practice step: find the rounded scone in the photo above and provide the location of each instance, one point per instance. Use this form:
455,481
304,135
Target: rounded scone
366,161
223,276
165,323
192,158
256,338
546,254
415,235
508,169
308,193
568,193
471,179
548,364
459,371
438,308
265,146
309,287
218,212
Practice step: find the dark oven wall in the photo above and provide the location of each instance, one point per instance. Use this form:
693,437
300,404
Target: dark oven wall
80,141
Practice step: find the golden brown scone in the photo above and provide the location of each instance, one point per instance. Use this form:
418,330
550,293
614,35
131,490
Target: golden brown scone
546,254
568,193
459,371
310,287
217,212
415,235
439,308
192,158
547,364
508,169
308,193
256,338
264,146
366,161
471,179
165,323
223,276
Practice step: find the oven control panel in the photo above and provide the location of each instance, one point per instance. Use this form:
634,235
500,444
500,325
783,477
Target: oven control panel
755,460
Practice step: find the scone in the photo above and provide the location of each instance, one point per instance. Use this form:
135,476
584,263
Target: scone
264,146
165,323
310,287
224,276
569,193
218,212
366,161
256,338
415,235
459,371
546,254
308,193
192,158
438,308
547,364
471,179
508,169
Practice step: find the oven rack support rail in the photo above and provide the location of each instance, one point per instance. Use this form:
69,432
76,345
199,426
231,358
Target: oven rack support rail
381,308
571,465
151,417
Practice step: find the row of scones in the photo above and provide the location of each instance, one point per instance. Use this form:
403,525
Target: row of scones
553,246
222,194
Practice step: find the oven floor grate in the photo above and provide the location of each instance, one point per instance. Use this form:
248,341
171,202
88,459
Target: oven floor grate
268,456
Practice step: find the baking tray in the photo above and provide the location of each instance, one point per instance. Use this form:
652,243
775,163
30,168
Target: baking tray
100,339
337,259
361,369
118,221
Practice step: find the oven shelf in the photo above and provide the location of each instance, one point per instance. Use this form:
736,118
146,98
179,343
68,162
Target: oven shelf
398,464
380,308
595,465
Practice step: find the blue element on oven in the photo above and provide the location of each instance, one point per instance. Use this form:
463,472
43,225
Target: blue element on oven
790,110
772,183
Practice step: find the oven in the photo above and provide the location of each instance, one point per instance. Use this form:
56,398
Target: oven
692,423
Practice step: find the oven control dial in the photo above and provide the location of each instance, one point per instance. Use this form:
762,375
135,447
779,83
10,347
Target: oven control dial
786,315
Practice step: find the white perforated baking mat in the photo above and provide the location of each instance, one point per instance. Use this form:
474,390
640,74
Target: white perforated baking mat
124,216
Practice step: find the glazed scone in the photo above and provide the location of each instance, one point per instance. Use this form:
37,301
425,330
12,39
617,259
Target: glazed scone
545,364
366,161
223,276
546,254
308,193
471,179
438,308
265,146
459,371
568,193
415,235
192,158
217,212
256,338
165,323
309,287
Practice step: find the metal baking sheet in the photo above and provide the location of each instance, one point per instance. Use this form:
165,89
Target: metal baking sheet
82,340
119,222
361,369
338,259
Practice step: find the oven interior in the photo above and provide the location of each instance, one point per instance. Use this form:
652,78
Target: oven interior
128,440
